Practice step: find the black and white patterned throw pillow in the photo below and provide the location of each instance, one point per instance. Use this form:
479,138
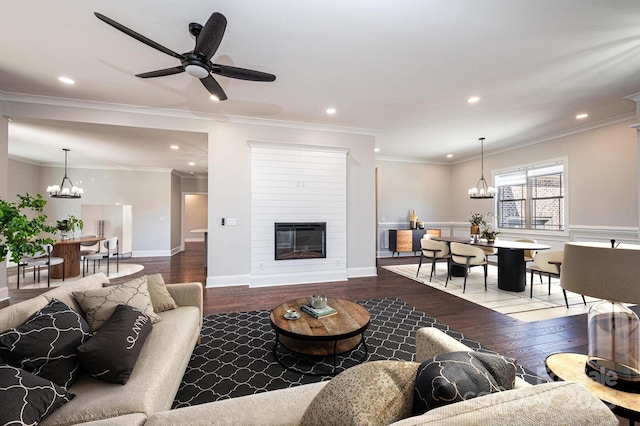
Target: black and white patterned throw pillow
26,398
46,343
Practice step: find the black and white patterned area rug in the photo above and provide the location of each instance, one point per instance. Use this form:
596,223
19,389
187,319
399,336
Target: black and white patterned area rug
235,356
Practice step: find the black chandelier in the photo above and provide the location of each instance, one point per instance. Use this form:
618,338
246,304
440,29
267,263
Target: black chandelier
482,189
66,189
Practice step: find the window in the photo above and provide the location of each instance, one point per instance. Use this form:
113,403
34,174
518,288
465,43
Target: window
532,197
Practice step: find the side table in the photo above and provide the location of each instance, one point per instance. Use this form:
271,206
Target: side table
570,367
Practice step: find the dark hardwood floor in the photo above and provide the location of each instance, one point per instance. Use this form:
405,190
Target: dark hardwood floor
529,343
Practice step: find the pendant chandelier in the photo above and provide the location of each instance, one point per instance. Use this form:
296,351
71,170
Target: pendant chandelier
482,189
66,189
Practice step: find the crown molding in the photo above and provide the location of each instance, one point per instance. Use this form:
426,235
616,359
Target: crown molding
173,113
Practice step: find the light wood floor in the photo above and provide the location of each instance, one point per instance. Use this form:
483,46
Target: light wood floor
529,342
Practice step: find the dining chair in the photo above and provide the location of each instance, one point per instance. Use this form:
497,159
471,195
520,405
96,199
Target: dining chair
38,260
87,248
549,263
434,250
467,256
111,244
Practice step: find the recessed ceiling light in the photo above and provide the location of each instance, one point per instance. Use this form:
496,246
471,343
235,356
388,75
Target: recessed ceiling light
214,98
67,80
331,111
376,150
582,115
449,155
191,163
473,99
174,147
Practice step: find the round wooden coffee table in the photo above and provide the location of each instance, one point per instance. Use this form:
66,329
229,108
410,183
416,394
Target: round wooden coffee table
328,336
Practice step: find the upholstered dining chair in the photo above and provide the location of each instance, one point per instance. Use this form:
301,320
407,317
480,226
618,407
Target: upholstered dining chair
549,263
39,260
467,256
434,250
111,244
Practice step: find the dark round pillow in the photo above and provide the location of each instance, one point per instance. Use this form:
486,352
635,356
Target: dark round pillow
458,376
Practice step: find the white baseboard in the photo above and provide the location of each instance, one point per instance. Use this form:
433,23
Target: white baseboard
297,278
228,280
362,272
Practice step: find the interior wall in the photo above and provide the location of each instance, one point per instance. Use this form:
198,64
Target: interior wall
195,216
405,186
230,196
149,198
601,189
175,216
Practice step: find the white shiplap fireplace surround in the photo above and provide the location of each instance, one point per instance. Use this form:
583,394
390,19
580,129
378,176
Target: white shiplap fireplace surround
297,183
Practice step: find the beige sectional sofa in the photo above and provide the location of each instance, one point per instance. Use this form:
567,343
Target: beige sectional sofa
158,371
147,397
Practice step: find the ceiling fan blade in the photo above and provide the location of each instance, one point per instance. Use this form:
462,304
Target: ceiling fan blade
241,73
137,36
213,87
161,73
210,36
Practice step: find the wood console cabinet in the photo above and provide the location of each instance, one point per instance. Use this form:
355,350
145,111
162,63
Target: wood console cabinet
405,240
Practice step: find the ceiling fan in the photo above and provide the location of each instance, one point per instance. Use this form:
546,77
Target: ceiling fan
197,63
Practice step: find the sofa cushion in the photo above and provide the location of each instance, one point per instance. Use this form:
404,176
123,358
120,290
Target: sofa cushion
160,297
112,353
27,398
373,393
559,403
46,343
100,303
458,376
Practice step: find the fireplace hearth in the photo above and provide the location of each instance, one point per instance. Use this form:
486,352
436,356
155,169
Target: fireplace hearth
300,240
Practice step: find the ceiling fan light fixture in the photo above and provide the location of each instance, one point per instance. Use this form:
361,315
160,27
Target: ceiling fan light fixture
214,98
196,70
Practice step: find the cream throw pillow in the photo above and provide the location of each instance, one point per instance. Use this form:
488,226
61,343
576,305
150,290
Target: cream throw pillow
160,297
99,304
373,393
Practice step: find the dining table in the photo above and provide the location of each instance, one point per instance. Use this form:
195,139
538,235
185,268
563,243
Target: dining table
512,268
69,250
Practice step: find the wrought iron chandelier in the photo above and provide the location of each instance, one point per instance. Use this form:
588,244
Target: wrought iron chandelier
482,189
66,189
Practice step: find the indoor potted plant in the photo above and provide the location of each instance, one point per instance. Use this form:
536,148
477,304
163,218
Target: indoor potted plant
19,231
476,220
68,226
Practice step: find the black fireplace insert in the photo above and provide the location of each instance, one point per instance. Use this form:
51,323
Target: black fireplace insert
303,240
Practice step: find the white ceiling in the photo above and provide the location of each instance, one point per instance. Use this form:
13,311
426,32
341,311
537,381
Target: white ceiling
401,68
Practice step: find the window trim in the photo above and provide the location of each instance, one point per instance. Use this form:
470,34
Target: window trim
564,161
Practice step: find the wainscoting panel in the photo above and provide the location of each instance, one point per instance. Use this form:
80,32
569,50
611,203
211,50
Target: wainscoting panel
297,183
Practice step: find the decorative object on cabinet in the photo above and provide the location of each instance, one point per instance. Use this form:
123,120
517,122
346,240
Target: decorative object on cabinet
413,220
